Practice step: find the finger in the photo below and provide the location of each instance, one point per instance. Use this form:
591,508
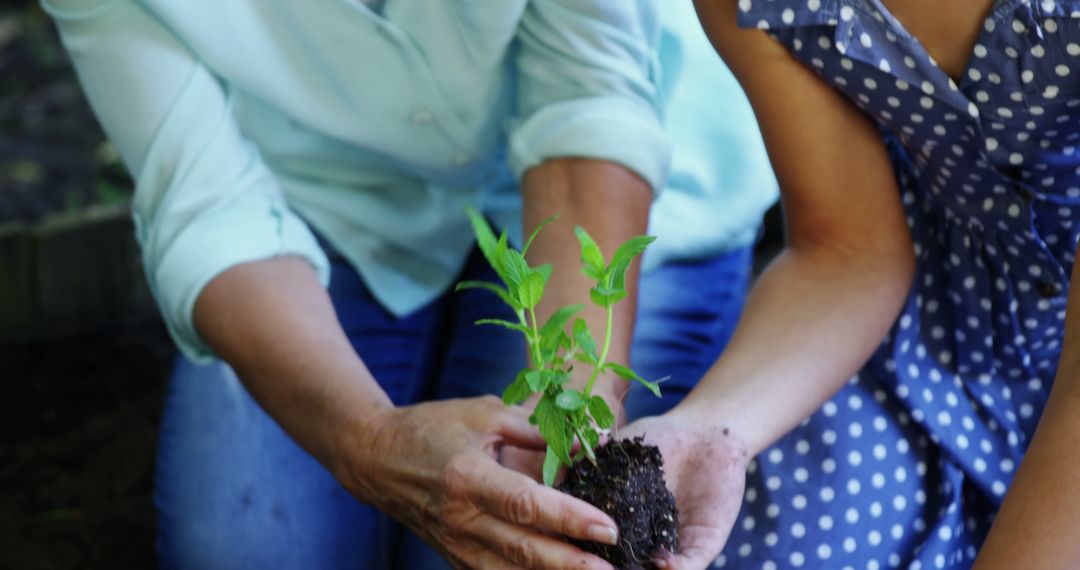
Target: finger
523,461
514,497
526,548
666,560
480,558
519,410
699,546
516,430
685,561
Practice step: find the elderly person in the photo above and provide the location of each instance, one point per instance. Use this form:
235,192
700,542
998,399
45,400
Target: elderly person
302,171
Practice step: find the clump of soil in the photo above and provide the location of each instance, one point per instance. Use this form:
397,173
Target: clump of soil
627,483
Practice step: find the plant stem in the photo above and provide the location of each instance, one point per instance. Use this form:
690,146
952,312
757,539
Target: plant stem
603,353
585,445
535,339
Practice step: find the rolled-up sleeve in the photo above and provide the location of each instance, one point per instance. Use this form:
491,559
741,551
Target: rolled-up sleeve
204,199
588,86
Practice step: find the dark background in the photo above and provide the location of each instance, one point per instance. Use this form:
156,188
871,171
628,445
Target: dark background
81,383
83,357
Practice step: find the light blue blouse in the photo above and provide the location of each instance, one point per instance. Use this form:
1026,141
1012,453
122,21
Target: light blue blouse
243,122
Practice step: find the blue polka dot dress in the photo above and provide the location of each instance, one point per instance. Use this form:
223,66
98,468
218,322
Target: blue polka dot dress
907,464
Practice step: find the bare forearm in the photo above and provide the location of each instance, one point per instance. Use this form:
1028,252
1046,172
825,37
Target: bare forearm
275,325
430,466
612,204
818,313
810,322
1039,523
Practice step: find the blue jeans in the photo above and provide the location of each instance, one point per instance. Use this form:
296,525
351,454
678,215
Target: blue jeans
233,491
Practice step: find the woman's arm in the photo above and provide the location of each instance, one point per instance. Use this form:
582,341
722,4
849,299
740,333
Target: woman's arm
613,204
238,275
1039,523
430,466
590,146
818,311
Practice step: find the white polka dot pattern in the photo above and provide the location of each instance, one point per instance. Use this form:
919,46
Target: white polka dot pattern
906,465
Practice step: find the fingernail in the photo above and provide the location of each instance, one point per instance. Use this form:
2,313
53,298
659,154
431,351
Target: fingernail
660,563
605,534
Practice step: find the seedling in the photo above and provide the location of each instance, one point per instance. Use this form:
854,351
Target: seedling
563,414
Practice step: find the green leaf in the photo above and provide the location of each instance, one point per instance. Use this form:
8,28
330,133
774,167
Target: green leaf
606,296
592,438
618,284
616,278
501,292
589,439
548,353
557,321
584,338
615,274
560,350
591,256
515,268
540,380
600,412
517,391
565,343
536,381
505,324
553,428
570,400
485,240
630,249
531,290
501,247
553,332
623,371
551,467
585,358
628,374
536,232
544,270
558,377
652,386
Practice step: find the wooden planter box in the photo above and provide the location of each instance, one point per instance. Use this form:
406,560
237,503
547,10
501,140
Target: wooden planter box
71,273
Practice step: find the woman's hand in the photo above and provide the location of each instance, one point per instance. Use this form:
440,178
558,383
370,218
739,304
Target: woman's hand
705,467
433,467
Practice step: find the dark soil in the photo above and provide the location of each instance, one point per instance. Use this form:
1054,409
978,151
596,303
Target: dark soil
627,483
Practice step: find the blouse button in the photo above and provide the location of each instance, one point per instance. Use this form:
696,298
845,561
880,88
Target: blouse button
421,116
1048,288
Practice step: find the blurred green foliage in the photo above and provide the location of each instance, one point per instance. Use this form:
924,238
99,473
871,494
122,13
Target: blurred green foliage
53,155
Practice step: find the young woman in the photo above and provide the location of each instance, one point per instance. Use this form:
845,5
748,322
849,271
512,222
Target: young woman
903,388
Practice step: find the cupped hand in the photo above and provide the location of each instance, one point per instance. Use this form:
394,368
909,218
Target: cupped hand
705,468
433,467
531,461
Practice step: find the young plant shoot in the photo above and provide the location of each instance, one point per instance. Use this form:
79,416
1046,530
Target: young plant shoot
562,414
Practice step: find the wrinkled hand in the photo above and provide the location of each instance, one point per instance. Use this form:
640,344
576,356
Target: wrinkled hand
432,466
705,468
530,461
